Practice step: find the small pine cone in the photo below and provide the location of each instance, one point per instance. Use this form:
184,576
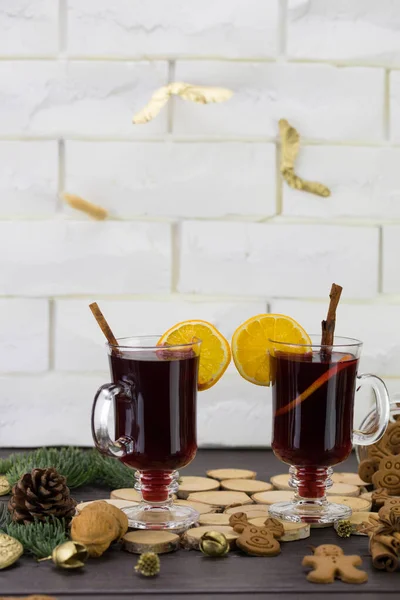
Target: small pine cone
148,564
344,529
40,494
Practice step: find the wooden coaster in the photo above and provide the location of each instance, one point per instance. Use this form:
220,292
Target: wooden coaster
356,519
199,506
293,531
141,541
251,510
221,499
214,519
248,486
192,537
273,496
367,496
356,504
126,494
116,502
188,485
281,482
222,474
351,478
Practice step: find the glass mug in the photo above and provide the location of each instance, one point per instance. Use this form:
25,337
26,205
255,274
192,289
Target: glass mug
313,390
153,397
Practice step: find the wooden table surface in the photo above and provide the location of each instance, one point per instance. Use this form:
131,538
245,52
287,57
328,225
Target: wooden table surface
189,574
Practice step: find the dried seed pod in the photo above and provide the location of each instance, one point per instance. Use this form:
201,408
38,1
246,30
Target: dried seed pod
148,564
70,555
214,544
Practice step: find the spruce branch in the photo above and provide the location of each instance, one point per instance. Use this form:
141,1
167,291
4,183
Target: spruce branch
39,538
111,472
5,517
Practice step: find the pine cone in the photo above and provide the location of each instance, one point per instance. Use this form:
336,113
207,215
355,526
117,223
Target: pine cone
148,564
40,494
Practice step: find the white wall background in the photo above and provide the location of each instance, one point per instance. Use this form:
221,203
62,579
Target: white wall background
201,224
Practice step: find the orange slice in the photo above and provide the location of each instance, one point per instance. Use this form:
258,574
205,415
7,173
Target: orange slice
251,344
215,352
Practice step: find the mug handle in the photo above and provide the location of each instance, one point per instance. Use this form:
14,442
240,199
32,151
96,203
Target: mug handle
103,402
366,438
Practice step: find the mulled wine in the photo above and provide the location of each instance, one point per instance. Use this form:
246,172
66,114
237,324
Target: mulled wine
313,403
157,407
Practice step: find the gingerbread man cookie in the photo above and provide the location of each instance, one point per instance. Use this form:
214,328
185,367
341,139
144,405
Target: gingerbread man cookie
254,540
329,561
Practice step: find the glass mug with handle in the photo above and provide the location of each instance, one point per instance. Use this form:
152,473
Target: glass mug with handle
313,389
153,398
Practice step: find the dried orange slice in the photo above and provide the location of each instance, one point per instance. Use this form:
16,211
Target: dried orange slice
215,353
251,344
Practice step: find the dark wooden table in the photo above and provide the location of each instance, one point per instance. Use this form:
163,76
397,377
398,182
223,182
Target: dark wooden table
189,574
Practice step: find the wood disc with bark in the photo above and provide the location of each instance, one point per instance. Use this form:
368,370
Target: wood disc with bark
221,499
356,504
350,478
189,484
199,506
273,496
293,531
159,542
222,474
214,519
115,502
248,486
367,496
191,539
126,494
251,510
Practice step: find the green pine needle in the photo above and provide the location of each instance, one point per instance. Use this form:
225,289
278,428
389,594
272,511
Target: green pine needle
111,472
39,538
5,517
72,463
79,467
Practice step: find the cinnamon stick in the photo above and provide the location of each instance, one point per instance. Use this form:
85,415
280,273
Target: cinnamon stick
328,326
104,326
383,557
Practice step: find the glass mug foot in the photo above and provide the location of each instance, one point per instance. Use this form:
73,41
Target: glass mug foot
310,504
171,517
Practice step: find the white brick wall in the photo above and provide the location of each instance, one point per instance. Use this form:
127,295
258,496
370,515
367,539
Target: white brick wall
201,224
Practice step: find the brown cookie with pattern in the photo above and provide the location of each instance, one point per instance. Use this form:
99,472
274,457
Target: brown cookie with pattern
329,561
388,475
256,540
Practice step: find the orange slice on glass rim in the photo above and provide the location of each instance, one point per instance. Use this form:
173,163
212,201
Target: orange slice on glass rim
215,352
251,344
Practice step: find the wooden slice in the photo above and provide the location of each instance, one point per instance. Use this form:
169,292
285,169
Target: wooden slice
126,494
199,506
356,504
214,519
248,486
222,474
192,537
351,478
252,510
367,496
116,502
273,496
281,482
343,489
293,531
188,485
159,542
221,499
356,519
